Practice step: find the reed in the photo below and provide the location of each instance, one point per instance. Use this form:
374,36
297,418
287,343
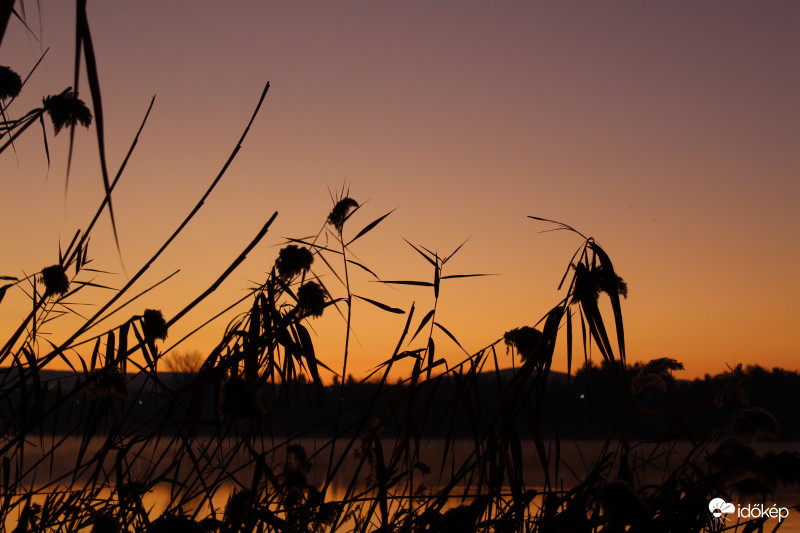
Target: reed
119,446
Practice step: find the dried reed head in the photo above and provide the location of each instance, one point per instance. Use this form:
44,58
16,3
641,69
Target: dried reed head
524,340
10,83
311,299
107,383
153,325
55,280
66,109
340,212
293,260
655,373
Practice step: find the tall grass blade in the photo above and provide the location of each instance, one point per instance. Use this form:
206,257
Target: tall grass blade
44,141
428,258
458,276
424,321
172,237
83,244
431,352
437,272
6,9
85,37
414,283
379,305
364,268
405,330
369,227
452,337
454,252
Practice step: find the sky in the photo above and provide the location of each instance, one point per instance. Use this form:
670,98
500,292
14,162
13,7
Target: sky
667,131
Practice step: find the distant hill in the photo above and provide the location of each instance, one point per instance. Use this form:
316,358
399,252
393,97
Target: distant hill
586,404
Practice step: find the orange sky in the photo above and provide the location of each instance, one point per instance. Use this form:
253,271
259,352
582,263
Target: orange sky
667,131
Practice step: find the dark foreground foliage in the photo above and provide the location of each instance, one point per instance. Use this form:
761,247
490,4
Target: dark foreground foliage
254,440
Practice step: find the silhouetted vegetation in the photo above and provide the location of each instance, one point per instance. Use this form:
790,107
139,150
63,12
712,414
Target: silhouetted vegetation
665,408
253,440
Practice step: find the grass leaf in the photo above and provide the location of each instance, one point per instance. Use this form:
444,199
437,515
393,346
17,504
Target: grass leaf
437,272
454,252
429,259
364,268
456,276
452,337
369,227
85,38
380,305
425,320
415,283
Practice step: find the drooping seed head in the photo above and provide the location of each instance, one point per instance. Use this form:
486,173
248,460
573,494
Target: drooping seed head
153,325
755,422
524,340
55,280
10,83
107,383
311,299
292,260
66,109
655,373
590,282
340,212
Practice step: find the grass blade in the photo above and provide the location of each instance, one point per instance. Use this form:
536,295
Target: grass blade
415,283
85,38
423,254
425,320
380,305
370,226
452,337
458,276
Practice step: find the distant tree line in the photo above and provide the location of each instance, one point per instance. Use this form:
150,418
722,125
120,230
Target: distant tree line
595,402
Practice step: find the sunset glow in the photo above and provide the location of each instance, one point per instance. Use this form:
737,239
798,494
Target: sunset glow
669,132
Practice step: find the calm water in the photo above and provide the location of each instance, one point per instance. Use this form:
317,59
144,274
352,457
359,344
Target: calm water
577,457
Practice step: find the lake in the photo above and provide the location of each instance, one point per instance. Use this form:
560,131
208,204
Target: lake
183,474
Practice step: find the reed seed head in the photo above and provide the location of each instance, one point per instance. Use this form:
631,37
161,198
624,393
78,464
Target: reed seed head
66,109
107,383
292,260
55,280
311,299
294,498
755,422
10,83
590,282
153,325
238,508
340,211
733,390
655,374
524,340
299,458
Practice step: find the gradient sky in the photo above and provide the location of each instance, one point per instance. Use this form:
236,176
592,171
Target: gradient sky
669,131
